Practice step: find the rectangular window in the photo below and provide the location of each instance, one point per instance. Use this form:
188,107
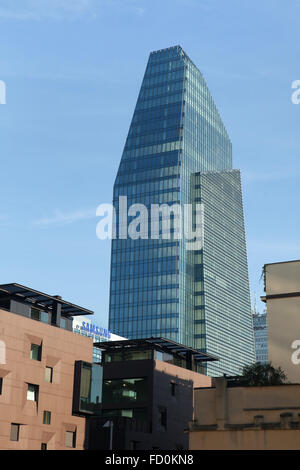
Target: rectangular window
33,392
173,388
70,439
138,414
14,432
47,417
125,390
1,383
35,314
43,446
36,352
44,317
133,445
48,374
163,417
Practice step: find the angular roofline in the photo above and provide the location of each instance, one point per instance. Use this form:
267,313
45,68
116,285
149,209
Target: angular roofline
163,344
34,297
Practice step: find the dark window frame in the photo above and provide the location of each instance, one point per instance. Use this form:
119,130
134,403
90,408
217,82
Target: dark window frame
38,348
51,374
15,427
73,446
47,417
36,392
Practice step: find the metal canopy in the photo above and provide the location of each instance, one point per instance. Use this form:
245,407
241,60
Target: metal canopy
41,300
165,345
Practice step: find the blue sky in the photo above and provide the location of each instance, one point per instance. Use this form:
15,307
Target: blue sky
73,69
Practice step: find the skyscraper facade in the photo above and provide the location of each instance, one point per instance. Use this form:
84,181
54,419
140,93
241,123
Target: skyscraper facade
261,337
178,152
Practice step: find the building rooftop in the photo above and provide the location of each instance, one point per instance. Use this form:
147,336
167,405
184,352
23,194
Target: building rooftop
162,344
40,300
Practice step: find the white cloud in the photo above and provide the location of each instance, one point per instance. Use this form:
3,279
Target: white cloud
62,9
60,218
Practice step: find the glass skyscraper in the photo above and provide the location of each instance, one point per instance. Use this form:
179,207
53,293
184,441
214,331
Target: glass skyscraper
178,151
260,328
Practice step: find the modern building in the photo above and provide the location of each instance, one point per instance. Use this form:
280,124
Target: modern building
260,329
39,354
282,298
230,417
86,327
178,152
147,398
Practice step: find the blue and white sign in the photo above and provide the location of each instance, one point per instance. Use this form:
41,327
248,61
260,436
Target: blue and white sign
95,330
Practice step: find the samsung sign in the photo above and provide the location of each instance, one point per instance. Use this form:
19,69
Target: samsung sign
95,330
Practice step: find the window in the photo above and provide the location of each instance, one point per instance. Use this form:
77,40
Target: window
1,383
163,417
36,352
133,445
48,374
43,446
47,417
35,314
138,414
173,388
125,390
14,432
70,439
44,317
33,392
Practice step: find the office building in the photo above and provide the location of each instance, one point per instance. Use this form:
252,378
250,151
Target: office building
178,152
282,298
229,416
260,337
38,356
147,398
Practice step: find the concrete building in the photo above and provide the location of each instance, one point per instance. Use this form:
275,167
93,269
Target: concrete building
147,397
282,288
37,358
230,417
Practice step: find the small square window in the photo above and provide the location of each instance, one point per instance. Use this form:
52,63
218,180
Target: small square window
14,432
36,352
48,374
33,392
47,417
70,439
43,446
